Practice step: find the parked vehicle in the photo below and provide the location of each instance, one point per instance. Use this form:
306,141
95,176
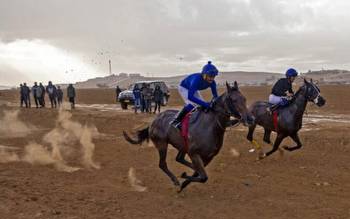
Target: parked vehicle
126,97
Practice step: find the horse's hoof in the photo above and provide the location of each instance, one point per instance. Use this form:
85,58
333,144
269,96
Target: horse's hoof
285,147
281,151
184,175
261,156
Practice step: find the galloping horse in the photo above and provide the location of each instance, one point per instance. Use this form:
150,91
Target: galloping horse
289,120
205,134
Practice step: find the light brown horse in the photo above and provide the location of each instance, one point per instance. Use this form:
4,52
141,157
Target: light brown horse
206,134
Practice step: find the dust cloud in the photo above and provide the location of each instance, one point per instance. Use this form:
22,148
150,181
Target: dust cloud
7,156
11,126
235,153
135,183
68,140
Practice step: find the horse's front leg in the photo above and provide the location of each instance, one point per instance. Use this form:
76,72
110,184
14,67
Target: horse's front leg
296,139
277,143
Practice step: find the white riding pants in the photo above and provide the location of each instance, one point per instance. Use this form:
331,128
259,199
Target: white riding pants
184,94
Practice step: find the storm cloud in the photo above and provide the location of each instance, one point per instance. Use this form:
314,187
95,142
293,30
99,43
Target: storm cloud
165,37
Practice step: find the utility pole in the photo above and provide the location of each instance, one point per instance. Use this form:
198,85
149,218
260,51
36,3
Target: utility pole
110,67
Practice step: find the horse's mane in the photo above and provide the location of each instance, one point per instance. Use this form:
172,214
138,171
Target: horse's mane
220,97
301,88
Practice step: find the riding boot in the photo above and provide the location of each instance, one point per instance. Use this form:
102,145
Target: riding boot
232,122
178,119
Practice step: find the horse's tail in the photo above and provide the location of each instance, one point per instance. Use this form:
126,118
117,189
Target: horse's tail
142,135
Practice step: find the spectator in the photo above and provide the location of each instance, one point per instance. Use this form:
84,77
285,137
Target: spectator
143,103
158,97
71,95
42,99
21,94
137,97
59,96
35,89
26,95
52,91
147,95
117,92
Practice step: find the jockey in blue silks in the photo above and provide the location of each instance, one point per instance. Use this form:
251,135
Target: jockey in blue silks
189,90
282,91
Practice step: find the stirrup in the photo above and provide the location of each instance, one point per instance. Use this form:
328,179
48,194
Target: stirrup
272,108
176,124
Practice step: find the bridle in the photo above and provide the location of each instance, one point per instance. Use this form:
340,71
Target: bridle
231,111
314,100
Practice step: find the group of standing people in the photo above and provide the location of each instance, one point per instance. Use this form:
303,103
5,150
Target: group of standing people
143,98
39,92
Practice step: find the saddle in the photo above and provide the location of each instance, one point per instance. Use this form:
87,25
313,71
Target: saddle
190,118
273,109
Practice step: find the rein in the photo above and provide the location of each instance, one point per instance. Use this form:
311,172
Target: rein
232,111
308,97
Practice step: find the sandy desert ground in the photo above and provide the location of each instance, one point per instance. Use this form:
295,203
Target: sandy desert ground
76,164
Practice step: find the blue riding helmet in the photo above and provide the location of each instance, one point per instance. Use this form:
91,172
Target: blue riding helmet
291,73
210,69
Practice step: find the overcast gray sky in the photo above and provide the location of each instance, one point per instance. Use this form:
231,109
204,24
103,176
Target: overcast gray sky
72,40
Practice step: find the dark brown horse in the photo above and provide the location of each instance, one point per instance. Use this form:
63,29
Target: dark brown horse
290,118
206,134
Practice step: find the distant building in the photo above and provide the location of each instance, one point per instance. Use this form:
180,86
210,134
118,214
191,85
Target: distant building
134,75
123,75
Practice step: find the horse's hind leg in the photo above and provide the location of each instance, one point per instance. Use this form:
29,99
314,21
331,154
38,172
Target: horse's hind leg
181,159
267,134
251,132
195,174
185,183
277,143
295,138
199,168
163,149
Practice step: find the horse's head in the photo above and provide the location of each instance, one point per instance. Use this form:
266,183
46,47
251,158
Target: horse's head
235,105
313,93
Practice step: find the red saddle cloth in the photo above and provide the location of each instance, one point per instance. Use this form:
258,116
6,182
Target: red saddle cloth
184,130
275,119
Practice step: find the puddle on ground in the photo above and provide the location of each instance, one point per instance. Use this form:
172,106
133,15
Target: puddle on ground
310,120
334,118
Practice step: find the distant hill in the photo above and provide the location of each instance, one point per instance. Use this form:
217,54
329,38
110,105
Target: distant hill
5,87
123,80
330,76
244,78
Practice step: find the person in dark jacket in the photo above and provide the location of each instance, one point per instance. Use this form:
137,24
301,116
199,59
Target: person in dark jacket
41,95
59,96
21,94
117,92
35,89
137,97
282,91
26,95
142,99
52,92
147,93
71,95
158,96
